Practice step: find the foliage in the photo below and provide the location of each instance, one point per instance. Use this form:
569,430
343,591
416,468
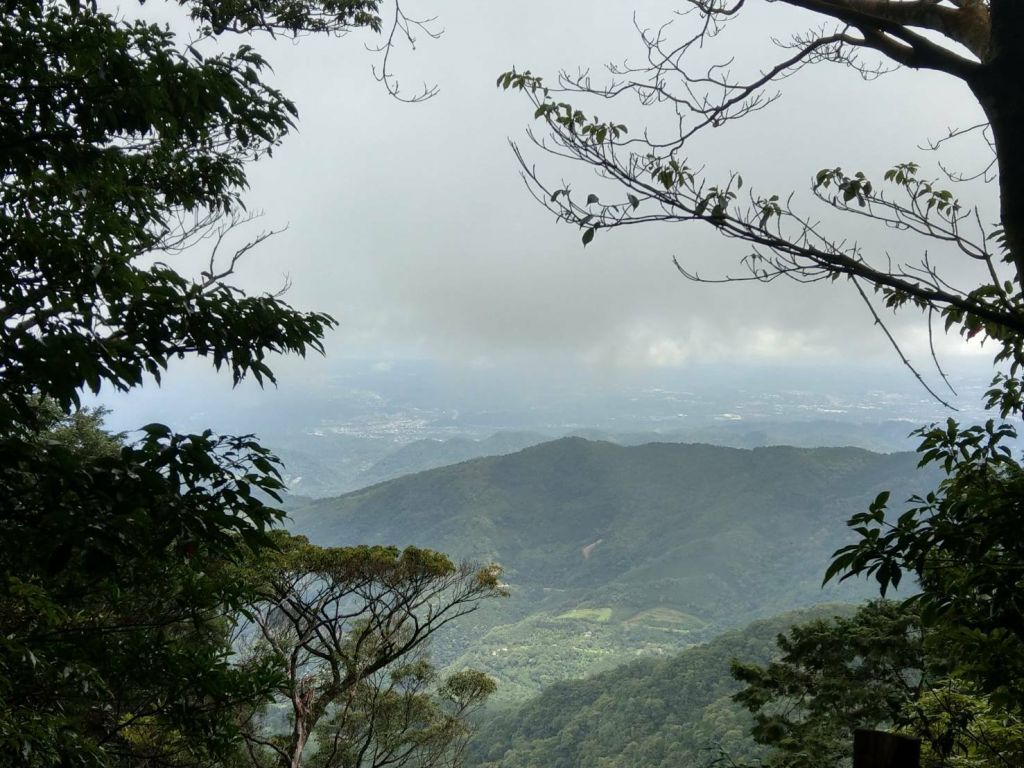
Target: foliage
121,145
833,676
405,716
113,600
879,669
345,629
654,712
962,728
962,543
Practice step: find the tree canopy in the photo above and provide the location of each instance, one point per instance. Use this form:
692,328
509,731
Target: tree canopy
347,629
880,668
121,146
833,676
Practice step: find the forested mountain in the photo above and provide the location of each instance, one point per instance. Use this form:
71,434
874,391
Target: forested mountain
615,551
653,712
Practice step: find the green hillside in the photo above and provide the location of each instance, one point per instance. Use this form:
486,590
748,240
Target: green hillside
613,552
658,713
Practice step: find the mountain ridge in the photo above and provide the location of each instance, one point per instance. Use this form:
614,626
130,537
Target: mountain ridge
707,537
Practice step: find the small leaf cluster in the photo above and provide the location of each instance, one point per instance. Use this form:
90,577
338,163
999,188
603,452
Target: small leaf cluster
856,187
290,17
577,122
561,113
942,200
520,81
672,174
767,208
715,203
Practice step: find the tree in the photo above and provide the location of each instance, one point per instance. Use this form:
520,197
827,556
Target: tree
878,669
832,677
114,647
963,545
346,628
970,40
405,716
121,146
960,726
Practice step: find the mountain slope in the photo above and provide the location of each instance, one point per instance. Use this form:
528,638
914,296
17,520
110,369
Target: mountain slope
652,712
594,537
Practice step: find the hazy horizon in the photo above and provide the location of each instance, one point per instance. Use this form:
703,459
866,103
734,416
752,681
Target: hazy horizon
410,225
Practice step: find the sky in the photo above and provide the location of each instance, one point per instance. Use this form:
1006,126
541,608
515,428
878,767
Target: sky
411,225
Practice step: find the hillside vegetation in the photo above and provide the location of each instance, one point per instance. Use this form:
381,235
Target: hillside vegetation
616,552
658,713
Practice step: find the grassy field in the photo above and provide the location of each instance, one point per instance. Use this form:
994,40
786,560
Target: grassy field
588,614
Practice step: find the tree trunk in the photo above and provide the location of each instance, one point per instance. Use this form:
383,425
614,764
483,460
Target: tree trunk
297,747
997,86
300,732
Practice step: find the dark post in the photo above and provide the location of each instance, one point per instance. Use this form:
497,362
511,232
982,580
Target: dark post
878,749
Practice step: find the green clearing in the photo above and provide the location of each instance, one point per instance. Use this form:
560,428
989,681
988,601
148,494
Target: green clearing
588,614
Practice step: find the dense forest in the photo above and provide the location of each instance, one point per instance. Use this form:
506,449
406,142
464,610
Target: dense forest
656,712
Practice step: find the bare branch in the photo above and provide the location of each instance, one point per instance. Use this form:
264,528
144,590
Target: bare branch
656,182
404,26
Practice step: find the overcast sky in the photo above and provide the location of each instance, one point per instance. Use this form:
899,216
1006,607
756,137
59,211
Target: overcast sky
410,224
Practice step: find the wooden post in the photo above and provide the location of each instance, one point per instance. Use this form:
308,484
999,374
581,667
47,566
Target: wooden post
878,749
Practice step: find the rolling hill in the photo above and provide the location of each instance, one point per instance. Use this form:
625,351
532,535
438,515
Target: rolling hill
613,552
